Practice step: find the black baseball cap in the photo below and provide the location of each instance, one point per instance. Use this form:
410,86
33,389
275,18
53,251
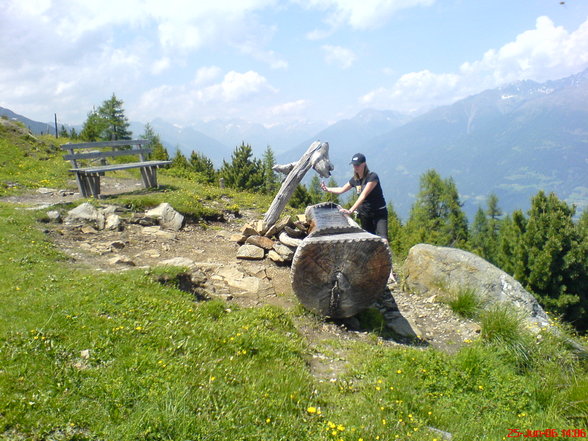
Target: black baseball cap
357,159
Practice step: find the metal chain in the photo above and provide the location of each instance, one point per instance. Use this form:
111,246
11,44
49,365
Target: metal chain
335,295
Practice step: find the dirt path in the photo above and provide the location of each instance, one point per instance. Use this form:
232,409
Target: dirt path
222,274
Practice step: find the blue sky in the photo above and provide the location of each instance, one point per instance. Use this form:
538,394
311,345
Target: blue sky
276,62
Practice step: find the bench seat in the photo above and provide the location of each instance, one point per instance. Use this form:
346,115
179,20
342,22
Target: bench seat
88,177
115,167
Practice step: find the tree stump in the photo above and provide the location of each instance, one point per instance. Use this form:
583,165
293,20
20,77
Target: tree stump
339,269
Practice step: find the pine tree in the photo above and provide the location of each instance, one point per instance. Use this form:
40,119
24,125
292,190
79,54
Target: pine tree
315,191
300,198
456,223
436,216
203,165
271,183
395,233
179,161
494,213
479,234
93,127
557,270
116,123
243,172
63,132
512,255
158,151
332,197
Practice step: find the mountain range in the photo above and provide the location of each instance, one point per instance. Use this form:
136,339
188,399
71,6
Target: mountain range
511,141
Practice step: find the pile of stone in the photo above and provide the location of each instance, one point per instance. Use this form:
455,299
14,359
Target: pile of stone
277,243
89,218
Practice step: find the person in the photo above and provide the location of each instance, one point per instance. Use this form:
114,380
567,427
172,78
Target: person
370,204
373,215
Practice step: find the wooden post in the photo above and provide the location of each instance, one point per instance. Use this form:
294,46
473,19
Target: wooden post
317,156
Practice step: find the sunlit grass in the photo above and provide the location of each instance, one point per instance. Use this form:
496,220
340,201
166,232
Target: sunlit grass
94,356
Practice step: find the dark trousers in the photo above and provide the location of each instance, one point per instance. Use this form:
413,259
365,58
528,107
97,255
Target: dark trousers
377,224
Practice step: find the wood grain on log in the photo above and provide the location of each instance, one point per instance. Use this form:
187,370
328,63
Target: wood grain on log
339,269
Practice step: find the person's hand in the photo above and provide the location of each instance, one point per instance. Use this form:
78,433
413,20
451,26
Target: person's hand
323,186
345,211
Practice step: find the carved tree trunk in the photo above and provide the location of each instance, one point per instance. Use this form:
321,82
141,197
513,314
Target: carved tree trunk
339,269
290,183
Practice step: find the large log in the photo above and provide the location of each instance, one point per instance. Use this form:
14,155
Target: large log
339,269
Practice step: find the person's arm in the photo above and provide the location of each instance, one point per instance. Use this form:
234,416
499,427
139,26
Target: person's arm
367,190
336,190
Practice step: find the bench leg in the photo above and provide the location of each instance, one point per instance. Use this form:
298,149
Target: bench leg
95,185
83,185
149,175
89,185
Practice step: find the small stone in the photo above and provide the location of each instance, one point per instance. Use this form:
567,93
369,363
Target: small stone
250,252
260,241
177,261
121,260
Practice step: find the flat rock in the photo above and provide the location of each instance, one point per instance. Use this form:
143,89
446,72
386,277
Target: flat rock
250,252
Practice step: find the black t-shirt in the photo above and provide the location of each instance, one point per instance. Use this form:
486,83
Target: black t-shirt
374,201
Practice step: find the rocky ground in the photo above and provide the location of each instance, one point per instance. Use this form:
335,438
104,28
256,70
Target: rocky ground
216,272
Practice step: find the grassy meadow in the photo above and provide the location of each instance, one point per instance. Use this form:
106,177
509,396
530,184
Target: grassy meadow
121,356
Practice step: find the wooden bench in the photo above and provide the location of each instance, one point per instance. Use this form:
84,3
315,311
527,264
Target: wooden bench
88,176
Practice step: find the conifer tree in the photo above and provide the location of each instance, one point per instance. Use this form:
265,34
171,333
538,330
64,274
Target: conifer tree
512,255
456,223
395,233
243,172
271,183
179,161
479,234
314,190
557,270
436,216
116,123
332,197
203,165
158,151
63,132
93,127
494,213
300,198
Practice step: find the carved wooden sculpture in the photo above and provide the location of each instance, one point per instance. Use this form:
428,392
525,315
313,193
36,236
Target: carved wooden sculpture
317,157
339,269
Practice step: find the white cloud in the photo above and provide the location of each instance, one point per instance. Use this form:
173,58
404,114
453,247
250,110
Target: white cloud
161,65
543,53
236,86
206,75
341,56
290,108
235,95
546,52
359,15
413,90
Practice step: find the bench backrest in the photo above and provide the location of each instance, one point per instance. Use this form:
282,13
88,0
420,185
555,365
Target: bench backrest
135,144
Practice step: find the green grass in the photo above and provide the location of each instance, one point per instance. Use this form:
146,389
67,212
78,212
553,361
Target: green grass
465,303
122,356
28,162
